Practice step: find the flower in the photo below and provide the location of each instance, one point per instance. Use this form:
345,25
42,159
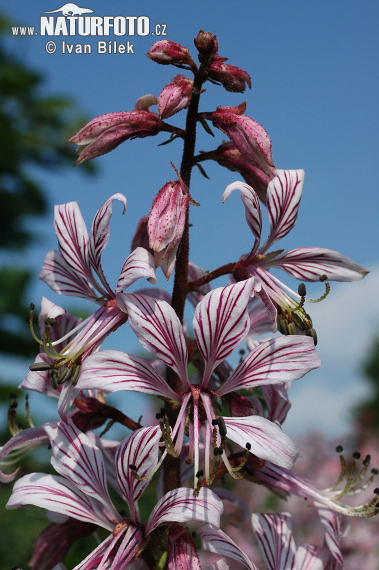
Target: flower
307,263
221,321
80,491
106,132
75,269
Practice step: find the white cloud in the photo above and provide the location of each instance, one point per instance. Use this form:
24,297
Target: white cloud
347,323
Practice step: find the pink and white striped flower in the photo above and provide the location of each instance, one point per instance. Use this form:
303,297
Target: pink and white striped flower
221,321
75,269
306,263
80,491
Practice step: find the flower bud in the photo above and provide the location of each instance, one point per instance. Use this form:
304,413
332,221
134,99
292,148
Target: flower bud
229,156
249,136
105,133
206,43
166,52
166,223
175,96
231,77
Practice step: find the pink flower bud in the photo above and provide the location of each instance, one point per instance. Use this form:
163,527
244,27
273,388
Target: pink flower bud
206,43
166,52
105,133
249,136
166,223
229,156
231,77
175,96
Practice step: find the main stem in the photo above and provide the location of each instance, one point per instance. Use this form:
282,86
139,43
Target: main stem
171,466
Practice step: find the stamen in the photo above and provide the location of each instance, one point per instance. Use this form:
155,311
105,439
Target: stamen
221,426
27,410
31,319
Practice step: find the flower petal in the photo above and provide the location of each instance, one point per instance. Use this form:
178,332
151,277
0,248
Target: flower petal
283,199
140,450
252,207
60,277
221,321
158,329
112,370
336,527
275,540
274,361
266,439
55,494
79,460
310,263
27,439
180,505
220,543
139,264
99,236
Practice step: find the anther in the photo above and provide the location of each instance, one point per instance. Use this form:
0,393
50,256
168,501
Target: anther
356,455
376,491
367,460
215,422
218,451
248,446
199,474
374,471
133,467
39,366
302,290
222,427
339,449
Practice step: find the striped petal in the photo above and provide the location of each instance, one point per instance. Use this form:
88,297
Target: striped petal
311,557
180,505
275,540
283,199
62,279
266,439
112,370
221,321
78,459
26,440
220,543
335,527
99,236
139,264
140,450
310,263
252,207
274,361
58,495
158,329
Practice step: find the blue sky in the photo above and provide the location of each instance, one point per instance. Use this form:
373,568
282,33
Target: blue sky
314,89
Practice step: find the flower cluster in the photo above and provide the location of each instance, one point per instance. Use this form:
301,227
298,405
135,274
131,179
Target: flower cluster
217,420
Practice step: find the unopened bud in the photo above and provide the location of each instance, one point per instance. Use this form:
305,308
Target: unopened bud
206,43
175,96
231,77
166,52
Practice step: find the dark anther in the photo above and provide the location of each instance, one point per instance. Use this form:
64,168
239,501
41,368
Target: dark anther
32,306
339,449
159,415
50,322
323,278
374,471
133,467
367,460
248,446
356,455
199,474
218,451
302,290
221,426
13,405
215,422
39,366
376,491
